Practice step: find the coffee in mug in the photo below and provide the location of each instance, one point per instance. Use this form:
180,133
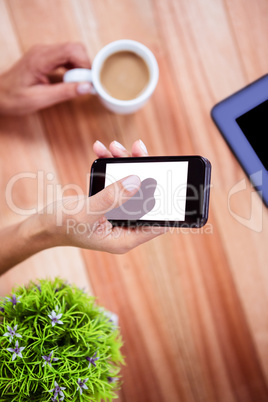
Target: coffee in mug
124,75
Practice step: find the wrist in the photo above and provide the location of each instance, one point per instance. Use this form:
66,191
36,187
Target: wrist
21,240
36,234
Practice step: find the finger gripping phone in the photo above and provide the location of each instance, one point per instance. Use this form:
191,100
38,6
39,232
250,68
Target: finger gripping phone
174,190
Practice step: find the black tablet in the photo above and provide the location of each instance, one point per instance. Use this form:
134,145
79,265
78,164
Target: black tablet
242,118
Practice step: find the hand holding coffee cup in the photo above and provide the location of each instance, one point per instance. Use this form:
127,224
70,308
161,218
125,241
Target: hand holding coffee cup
124,75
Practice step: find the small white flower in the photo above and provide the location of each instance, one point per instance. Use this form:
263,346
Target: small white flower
55,318
58,391
16,351
14,300
81,385
48,359
12,332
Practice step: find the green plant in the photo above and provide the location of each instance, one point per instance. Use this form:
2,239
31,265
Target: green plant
56,344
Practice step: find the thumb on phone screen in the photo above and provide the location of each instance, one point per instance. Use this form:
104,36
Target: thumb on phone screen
114,195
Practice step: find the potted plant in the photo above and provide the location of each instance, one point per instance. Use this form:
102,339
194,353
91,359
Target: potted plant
57,344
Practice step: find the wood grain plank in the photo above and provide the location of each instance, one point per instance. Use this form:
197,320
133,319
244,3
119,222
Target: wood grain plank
248,22
37,16
200,33
24,154
8,40
192,304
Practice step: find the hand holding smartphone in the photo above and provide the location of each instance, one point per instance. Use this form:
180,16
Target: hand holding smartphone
174,190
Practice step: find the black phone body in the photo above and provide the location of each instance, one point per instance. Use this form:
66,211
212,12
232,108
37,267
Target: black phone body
174,189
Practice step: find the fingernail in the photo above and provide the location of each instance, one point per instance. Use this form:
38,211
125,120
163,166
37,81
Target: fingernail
118,145
131,183
100,144
143,147
83,88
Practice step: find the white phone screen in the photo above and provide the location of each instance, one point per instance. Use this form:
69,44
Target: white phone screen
162,195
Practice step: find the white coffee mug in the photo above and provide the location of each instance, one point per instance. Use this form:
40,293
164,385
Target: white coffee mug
93,76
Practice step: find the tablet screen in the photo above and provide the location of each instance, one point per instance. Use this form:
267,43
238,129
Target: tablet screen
254,125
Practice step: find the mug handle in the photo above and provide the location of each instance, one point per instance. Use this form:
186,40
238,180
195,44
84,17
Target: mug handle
79,75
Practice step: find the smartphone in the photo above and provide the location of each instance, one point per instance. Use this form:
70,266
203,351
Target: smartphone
174,190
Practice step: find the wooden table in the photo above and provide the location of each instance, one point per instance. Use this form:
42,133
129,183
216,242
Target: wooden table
192,304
